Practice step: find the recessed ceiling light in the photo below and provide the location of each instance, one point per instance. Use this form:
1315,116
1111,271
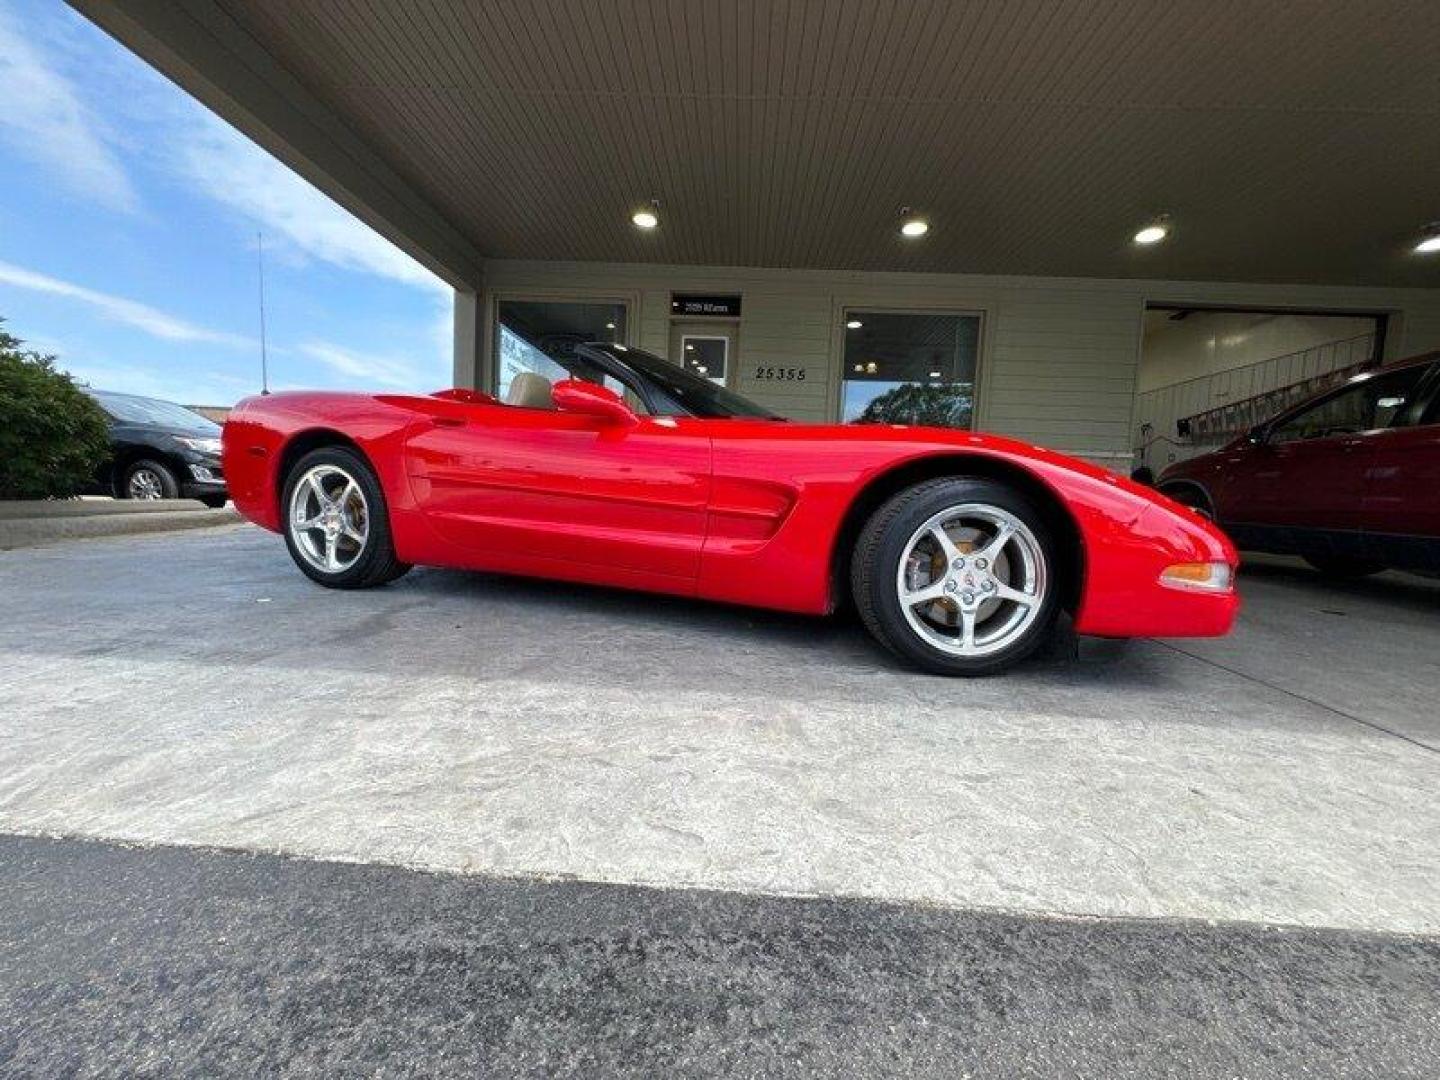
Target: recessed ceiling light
914,227
609,326
854,324
1430,242
689,348
1158,229
934,374
645,219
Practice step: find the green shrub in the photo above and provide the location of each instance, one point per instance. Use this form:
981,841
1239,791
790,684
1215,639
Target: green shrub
52,435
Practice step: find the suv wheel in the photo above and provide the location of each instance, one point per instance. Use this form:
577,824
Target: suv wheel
148,479
1191,496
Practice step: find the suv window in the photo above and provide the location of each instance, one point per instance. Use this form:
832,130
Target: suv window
1432,411
1377,402
129,409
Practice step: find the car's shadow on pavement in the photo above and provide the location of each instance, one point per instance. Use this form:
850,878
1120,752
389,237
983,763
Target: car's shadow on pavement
234,601
834,641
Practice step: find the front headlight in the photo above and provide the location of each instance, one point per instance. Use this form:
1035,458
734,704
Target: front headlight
201,446
1200,576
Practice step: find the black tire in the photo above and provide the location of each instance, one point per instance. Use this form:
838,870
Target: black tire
883,544
215,502
147,475
375,563
1191,496
1342,568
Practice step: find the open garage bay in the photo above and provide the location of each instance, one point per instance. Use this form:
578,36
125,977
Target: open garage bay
196,690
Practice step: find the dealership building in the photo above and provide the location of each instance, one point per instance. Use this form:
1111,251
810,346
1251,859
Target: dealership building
918,212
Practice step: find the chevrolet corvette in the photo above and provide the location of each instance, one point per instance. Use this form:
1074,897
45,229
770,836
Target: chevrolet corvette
959,550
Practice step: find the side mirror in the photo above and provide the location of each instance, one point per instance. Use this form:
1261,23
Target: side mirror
589,399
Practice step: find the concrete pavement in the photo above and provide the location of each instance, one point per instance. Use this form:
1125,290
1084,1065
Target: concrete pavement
196,689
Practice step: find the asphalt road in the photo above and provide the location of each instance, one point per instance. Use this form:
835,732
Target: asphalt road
167,961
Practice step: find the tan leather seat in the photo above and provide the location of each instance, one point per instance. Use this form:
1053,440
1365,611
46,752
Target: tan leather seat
530,391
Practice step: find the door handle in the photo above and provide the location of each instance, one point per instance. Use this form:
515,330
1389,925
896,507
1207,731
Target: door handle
447,421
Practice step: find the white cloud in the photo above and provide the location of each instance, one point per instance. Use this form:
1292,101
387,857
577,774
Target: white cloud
231,169
205,389
45,120
142,317
366,367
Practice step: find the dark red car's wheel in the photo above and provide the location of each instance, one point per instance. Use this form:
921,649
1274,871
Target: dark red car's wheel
1191,496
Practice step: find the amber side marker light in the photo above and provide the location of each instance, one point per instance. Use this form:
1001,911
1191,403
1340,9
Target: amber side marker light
1200,576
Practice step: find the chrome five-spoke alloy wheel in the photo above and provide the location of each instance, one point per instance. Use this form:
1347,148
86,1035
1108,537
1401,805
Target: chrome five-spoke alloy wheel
329,519
971,580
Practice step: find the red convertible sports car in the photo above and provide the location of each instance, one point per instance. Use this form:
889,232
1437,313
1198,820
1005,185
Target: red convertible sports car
958,549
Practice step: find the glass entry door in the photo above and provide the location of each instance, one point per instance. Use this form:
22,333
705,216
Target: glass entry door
704,349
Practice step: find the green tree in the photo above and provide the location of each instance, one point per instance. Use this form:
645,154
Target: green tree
52,434
927,404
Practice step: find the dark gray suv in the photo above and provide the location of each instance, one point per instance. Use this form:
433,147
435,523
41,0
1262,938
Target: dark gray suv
161,451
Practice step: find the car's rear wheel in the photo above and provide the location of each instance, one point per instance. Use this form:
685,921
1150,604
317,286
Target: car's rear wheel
148,479
1336,566
336,525
957,576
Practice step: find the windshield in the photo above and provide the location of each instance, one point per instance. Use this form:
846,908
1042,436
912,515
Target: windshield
129,409
696,396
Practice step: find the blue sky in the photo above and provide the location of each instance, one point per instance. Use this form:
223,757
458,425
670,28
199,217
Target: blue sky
128,221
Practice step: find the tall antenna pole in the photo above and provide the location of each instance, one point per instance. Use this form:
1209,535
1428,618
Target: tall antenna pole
264,359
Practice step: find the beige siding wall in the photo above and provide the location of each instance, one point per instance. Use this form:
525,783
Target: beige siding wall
1058,357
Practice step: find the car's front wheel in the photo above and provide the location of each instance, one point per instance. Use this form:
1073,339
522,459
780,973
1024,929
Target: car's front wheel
336,524
1191,496
957,576
147,480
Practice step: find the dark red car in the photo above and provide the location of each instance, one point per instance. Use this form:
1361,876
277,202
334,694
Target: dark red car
1349,479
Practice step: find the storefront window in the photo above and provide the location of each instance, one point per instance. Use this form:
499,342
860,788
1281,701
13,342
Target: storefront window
910,368
533,334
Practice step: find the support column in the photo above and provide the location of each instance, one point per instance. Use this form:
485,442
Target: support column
469,341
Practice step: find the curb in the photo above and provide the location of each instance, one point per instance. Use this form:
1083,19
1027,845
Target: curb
37,531
36,509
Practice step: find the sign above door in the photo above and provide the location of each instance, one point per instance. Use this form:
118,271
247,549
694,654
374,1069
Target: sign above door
706,304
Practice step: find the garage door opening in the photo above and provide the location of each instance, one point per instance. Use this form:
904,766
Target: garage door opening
1209,374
